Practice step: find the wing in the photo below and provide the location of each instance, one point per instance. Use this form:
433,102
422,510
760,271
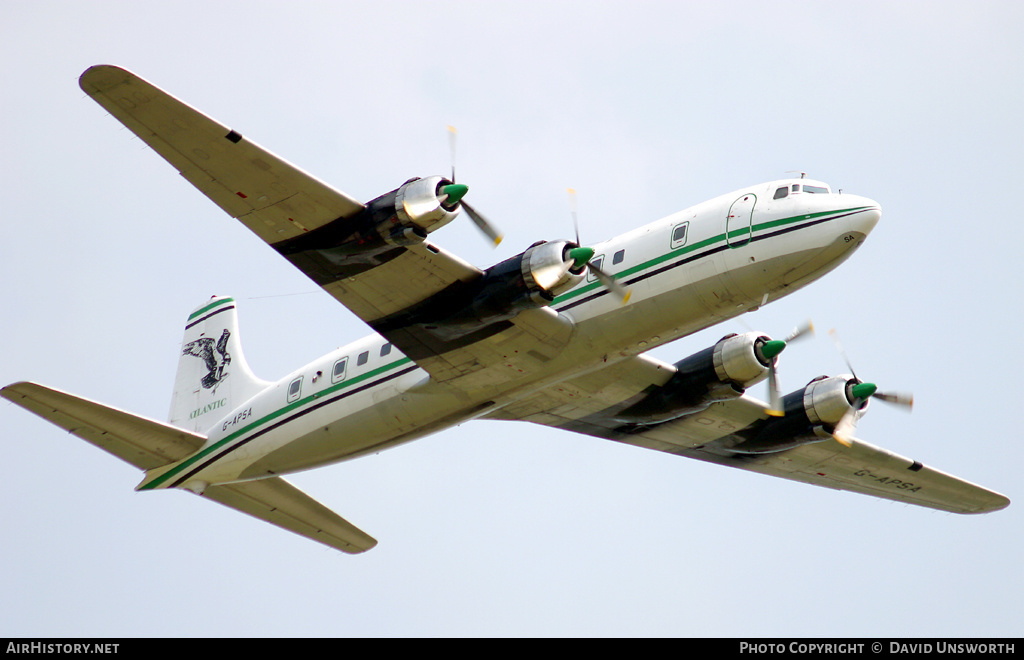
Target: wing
588,405
148,444
144,443
278,502
267,193
395,288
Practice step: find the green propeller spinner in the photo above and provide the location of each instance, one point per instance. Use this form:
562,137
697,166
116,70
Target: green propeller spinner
581,256
863,390
455,192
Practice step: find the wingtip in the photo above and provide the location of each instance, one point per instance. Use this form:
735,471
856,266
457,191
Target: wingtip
102,76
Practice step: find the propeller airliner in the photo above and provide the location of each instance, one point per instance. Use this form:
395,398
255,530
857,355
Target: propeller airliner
557,335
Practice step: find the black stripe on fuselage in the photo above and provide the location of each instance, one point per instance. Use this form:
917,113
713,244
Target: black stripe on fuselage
224,452
707,253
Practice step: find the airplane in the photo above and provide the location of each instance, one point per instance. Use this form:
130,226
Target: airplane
557,335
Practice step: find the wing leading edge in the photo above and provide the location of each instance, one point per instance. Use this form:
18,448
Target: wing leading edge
147,444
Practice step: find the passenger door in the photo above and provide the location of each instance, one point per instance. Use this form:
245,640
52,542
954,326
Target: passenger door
738,222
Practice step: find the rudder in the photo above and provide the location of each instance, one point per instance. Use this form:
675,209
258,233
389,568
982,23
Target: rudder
213,377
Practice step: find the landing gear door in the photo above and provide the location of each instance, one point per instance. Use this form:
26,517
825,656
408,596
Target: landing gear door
738,223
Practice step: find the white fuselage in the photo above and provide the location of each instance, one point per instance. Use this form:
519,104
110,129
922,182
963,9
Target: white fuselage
685,272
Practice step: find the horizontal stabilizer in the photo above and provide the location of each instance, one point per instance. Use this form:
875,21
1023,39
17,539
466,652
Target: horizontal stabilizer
148,444
143,442
280,503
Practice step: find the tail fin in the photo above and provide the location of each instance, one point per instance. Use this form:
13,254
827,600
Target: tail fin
213,377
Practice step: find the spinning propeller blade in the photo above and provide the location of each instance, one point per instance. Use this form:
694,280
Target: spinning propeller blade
770,350
572,210
861,392
578,254
609,282
456,192
482,224
452,134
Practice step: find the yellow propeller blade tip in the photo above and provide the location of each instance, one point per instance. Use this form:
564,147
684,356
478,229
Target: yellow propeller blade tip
843,441
625,298
498,240
774,413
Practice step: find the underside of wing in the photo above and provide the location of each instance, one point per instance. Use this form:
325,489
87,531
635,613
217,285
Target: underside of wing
870,470
275,199
615,405
144,443
374,258
276,501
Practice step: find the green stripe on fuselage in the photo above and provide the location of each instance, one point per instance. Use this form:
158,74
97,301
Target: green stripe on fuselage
223,442
672,254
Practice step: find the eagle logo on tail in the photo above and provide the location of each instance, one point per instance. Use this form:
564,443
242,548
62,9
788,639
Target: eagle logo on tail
215,356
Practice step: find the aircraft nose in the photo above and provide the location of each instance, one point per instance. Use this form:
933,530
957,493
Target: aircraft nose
865,216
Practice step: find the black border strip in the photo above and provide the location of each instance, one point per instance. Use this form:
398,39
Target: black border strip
715,250
215,313
216,457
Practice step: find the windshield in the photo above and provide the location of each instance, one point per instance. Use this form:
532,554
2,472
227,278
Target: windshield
784,191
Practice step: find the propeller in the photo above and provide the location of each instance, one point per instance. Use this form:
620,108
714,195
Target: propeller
482,224
456,191
582,256
771,350
861,392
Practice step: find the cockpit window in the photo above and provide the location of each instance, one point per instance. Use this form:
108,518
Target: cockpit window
781,192
820,190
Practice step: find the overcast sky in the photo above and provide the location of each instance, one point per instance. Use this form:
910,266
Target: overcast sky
503,528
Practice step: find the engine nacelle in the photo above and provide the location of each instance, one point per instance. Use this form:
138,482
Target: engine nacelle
528,280
399,218
738,359
715,374
405,215
421,204
548,270
826,400
811,414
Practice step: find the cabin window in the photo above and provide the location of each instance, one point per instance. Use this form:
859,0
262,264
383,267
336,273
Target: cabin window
597,261
363,358
338,373
781,192
385,349
295,390
618,257
679,235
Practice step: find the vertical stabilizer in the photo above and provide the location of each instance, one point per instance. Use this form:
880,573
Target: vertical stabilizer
213,377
